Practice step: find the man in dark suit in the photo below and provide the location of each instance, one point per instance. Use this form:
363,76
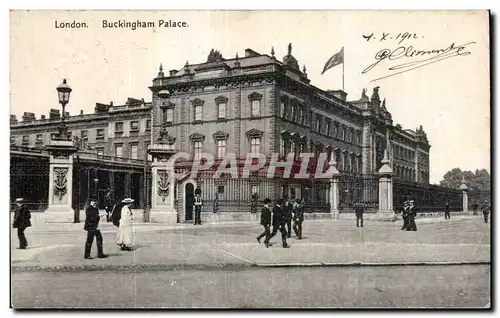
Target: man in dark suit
288,209
198,204
279,221
22,217
359,214
265,221
486,210
412,214
446,210
92,219
298,218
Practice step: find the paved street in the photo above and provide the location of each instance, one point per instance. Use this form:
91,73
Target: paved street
223,265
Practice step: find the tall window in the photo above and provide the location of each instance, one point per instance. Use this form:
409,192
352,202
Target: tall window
134,125
255,145
282,109
327,129
134,149
282,146
301,116
318,123
148,124
221,111
170,115
336,129
119,151
221,148
292,112
198,112
292,147
198,147
119,127
255,108
254,189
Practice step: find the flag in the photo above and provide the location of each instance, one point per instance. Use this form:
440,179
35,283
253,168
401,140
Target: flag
336,59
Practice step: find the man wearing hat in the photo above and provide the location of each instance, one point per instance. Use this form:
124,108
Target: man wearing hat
22,217
406,207
265,221
298,217
358,208
279,220
412,213
125,228
92,219
486,210
198,203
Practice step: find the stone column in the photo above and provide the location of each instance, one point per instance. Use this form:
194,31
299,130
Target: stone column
465,196
162,192
60,209
385,196
334,190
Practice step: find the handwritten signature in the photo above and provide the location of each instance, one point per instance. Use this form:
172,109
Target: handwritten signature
404,52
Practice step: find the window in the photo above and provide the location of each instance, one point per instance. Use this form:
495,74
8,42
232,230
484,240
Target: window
318,123
26,140
292,193
198,147
292,148
221,111
358,134
170,115
254,189
134,149
119,151
255,108
119,127
220,189
221,148
134,125
255,145
335,129
292,113
282,109
39,138
148,124
100,133
198,112
342,133
282,147
327,129
100,152
301,116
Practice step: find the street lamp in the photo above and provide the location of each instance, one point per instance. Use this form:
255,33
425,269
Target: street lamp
63,92
96,191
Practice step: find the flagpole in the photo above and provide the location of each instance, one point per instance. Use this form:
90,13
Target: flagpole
343,62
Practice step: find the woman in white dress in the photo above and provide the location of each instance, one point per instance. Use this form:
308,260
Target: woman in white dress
125,229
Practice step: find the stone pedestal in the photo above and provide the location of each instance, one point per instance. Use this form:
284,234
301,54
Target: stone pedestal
163,185
334,190
465,196
60,209
385,195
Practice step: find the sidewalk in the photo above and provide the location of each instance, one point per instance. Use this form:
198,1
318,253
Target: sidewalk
58,247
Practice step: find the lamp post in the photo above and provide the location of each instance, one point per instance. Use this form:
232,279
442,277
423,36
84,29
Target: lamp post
96,181
63,92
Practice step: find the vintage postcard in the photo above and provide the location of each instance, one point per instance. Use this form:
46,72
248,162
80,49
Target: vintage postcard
250,159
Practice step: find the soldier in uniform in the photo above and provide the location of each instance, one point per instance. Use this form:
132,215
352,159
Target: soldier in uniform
446,210
265,221
359,214
412,213
298,218
486,210
198,203
92,219
279,220
22,220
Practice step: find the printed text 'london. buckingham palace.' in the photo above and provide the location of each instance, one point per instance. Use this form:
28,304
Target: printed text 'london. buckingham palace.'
133,25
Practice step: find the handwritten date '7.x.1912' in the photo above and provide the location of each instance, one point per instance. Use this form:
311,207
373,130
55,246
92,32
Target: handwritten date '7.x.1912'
399,37
416,58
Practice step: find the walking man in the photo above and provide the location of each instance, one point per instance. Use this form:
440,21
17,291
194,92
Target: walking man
406,206
412,213
22,220
125,226
92,219
486,210
265,221
298,218
198,203
446,210
359,214
279,221
288,208
108,201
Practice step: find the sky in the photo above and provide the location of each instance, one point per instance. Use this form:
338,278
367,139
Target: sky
449,98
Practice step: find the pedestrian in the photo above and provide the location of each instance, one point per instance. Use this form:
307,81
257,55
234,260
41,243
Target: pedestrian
265,221
298,218
22,220
108,201
359,214
198,203
288,208
279,221
405,214
446,210
412,213
124,239
92,219
486,210
475,206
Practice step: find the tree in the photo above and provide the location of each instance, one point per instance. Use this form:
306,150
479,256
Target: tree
480,180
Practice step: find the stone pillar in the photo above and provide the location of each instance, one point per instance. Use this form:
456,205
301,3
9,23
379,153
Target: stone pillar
366,145
334,190
163,185
465,196
60,209
385,196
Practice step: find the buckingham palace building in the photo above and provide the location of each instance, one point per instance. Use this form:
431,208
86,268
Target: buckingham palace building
253,103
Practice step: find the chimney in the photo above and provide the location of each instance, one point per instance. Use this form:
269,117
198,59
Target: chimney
172,72
81,112
28,117
340,94
13,119
110,103
251,53
54,114
66,114
43,117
